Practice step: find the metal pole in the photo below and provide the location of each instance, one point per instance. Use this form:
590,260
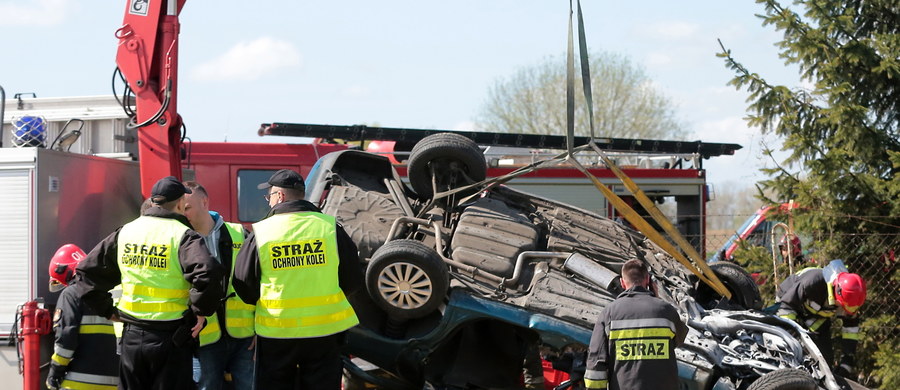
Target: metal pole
32,341
2,112
35,323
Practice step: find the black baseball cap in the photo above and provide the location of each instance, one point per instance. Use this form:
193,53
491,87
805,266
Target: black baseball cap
284,178
169,189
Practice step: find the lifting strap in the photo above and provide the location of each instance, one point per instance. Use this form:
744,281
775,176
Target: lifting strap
698,266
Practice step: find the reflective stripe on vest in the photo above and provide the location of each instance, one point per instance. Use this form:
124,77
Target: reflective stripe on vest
238,315
642,339
299,292
153,285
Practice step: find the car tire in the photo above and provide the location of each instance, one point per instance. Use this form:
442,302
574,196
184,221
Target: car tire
452,156
744,291
407,279
784,379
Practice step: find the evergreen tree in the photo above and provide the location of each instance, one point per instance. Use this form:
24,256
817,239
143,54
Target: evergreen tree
844,148
842,134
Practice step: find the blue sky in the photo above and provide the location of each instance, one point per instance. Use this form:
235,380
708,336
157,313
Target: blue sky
424,63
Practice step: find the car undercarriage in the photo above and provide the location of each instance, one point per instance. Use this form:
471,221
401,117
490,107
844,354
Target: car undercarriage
443,271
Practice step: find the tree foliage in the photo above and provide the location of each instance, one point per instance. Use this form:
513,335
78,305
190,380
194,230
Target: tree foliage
626,104
842,133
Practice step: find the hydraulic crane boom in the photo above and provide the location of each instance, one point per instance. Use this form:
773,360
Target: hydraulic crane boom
148,59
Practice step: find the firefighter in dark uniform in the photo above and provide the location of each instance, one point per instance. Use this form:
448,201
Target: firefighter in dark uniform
168,280
633,344
84,353
296,266
813,296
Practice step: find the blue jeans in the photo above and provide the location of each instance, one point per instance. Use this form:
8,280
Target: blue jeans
227,354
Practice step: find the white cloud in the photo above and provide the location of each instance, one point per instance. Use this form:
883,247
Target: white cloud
33,13
249,60
672,30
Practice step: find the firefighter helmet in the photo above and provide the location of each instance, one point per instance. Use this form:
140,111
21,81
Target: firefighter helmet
795,247
850,291
62,266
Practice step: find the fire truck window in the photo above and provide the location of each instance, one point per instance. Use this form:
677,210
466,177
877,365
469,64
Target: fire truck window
252,207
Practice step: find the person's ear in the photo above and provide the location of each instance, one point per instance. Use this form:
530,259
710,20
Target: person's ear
622,283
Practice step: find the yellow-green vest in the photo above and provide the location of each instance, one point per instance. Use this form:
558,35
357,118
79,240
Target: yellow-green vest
238,315
299,292
153,285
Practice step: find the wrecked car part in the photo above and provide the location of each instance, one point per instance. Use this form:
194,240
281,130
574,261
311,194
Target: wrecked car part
525,257
407,279
398,196
445,161
745,293
489,234
784,379
723,325
365,215
591,270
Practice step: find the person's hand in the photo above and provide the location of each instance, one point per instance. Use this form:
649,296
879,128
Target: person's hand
53,382
195,331
252,346
55,376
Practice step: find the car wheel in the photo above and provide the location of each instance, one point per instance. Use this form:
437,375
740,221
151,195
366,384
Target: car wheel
784,379
407,279
455,160
744,291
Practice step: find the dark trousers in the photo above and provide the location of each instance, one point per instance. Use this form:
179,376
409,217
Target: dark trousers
823,340
151,361
307,364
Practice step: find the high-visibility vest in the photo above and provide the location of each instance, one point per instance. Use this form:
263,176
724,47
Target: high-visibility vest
153,285
299,292
238,315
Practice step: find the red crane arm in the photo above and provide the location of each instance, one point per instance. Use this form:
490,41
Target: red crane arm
148,58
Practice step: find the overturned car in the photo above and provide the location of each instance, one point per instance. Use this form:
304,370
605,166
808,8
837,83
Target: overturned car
467,282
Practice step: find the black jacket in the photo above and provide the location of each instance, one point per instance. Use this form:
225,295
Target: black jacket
633,344
806,295
99,272
247,272
92,350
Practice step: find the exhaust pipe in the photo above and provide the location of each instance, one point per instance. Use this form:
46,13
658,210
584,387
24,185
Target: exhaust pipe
591,270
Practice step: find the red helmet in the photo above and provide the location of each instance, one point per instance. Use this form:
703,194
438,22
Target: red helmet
62,266
849,291
796,249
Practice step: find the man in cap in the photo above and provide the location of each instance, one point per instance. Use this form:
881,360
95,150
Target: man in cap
168,279
307,261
